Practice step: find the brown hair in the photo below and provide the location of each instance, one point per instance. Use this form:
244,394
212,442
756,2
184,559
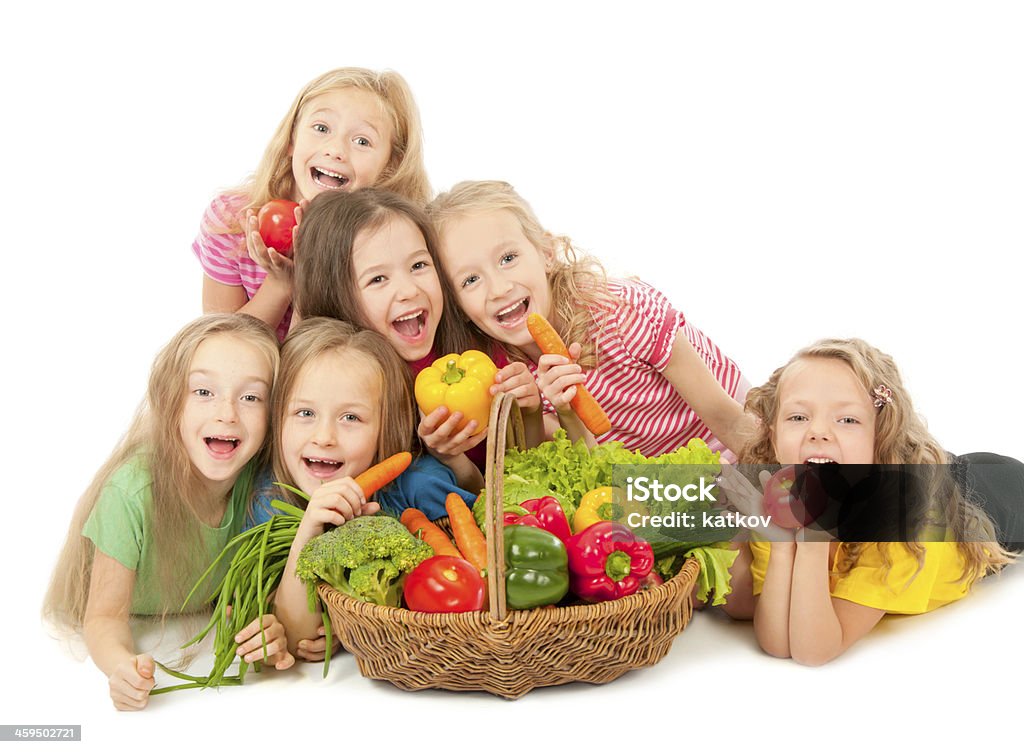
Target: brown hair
901,437
177,488
404,174
320,335
579,286
325,284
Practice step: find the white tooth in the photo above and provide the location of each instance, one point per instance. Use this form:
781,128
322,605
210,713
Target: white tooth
511,308
333,174
409,316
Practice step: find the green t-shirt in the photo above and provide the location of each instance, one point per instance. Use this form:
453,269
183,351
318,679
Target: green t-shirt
120,526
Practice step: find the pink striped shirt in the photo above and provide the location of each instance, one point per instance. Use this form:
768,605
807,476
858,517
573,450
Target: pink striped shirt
224,256
634,347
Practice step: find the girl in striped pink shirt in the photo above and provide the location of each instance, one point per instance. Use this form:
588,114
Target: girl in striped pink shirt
661,381
347,129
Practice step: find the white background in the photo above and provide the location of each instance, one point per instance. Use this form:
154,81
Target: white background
784,171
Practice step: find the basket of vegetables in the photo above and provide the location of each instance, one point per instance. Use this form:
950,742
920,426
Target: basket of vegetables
524,635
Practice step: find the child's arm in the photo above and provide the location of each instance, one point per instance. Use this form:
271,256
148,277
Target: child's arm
333,503
109,638
772,606
438,430
822,627
269,303
692,379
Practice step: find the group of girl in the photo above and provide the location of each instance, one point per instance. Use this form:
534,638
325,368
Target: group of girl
383,281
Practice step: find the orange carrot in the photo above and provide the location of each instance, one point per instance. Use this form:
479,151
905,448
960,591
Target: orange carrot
422,528
468,536
375,477
587,409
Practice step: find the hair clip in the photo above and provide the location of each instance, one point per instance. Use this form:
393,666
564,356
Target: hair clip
883,396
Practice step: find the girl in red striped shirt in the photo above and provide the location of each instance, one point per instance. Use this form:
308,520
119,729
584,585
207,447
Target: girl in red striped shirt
661,381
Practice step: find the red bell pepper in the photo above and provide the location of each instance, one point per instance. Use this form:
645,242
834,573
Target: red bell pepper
607,561
545,513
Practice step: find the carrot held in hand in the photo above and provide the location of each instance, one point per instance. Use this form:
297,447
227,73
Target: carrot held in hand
423,528
587,409
375,477
468,537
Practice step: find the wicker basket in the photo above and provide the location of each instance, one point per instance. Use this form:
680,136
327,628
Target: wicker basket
510,652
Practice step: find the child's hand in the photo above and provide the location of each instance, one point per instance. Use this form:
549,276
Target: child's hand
748,500
131,682
278,266
313,650
517,380
335,502
250,643
438,432
557,377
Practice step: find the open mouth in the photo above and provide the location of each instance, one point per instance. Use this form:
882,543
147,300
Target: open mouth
513,315
328,179
819,460
222,447
411,326
322,468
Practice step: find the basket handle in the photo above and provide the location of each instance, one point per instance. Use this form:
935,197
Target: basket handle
505,428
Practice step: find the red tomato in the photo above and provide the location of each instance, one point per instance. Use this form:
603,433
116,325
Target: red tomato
277,221
791,509
445,584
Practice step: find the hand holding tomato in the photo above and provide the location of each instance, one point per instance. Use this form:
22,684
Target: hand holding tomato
793,499
277,222
445,584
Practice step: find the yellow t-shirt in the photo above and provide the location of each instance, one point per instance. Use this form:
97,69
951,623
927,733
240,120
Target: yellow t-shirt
937,583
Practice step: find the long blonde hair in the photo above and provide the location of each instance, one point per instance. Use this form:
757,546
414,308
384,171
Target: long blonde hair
579,286
321,335
901,437
177,487
405,173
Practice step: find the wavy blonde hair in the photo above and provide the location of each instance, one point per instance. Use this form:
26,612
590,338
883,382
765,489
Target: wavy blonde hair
901,437
405,173
322,335
578,283
177,487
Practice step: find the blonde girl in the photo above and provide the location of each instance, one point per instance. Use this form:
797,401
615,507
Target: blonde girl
343,402
370,258
347,129
843,401
172,494
661,381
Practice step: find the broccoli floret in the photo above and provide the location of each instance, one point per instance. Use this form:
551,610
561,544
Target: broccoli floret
366,558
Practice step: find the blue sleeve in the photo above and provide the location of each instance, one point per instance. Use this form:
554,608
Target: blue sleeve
424,485
264,491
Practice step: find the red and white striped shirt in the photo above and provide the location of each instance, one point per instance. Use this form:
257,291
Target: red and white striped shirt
633,347
224,256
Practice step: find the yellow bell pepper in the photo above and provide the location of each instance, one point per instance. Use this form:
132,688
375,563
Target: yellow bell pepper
460,383
594,506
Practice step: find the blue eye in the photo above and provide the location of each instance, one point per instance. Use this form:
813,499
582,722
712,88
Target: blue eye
470,280
509,257
304,413
350,418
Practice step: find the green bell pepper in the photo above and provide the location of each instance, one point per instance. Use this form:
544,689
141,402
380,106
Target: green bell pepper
536,567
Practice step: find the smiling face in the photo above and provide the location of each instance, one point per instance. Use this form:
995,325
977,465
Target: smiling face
224,420
332,420
341,140
825,414
498,275
397,285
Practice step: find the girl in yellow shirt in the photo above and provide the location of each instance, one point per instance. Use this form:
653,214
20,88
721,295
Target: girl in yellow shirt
811,598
